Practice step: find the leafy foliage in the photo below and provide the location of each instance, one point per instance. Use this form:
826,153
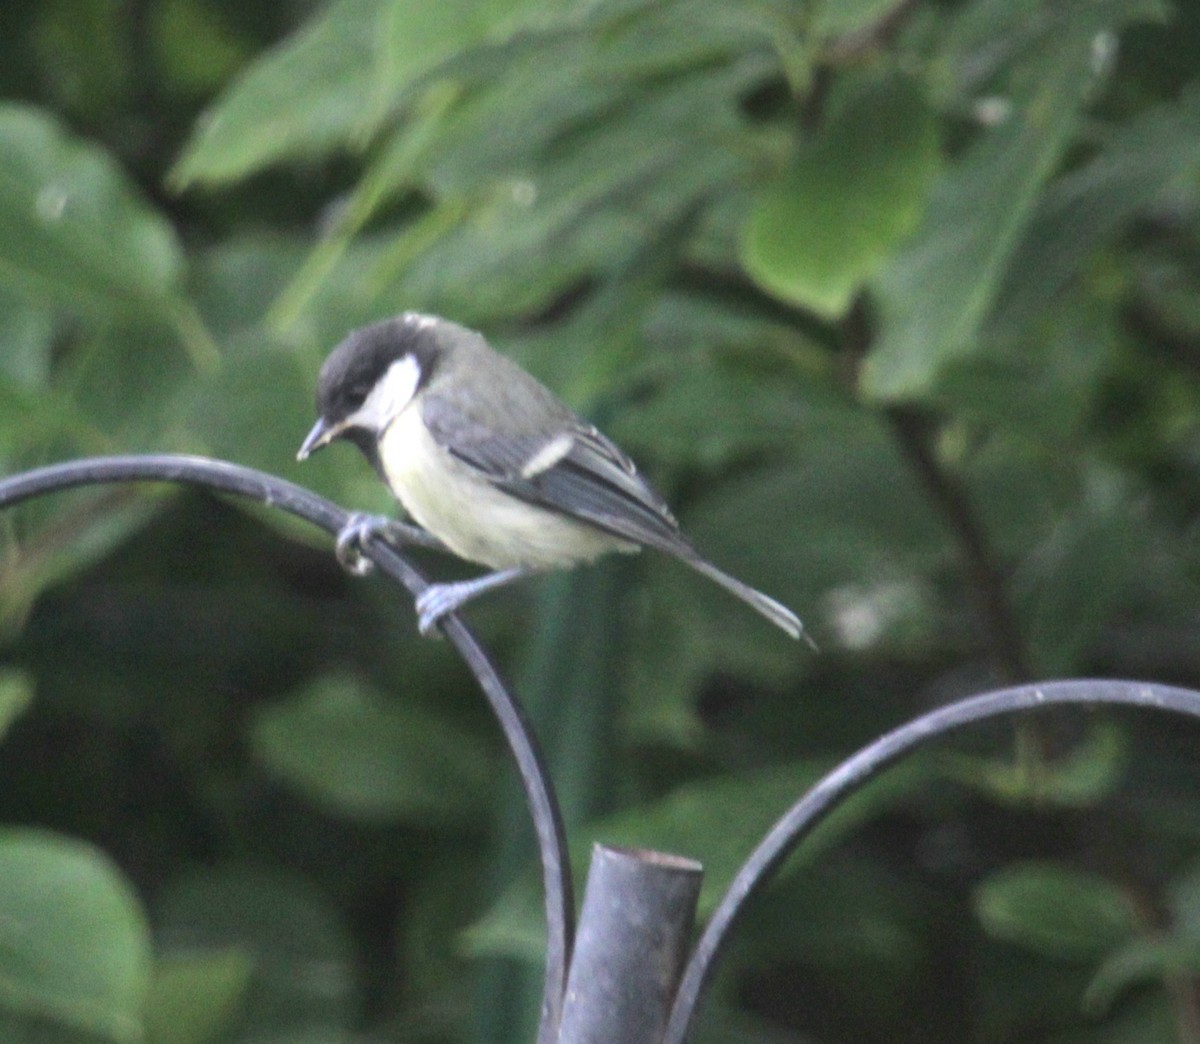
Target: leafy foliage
896,301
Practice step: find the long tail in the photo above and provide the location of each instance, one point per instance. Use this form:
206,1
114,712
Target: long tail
780,615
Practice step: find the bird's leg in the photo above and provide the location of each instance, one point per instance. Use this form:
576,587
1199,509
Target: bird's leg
361,528
439,599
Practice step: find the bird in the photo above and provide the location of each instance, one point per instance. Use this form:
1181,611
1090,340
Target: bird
490,464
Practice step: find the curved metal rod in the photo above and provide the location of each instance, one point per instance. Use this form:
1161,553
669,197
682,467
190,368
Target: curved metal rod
296,500
800,820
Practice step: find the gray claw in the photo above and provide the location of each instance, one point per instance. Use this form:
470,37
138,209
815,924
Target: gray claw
432,604
351,538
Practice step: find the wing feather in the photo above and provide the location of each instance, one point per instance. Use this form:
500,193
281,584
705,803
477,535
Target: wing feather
593,481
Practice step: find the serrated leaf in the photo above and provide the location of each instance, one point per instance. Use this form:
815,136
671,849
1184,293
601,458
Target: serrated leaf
367,757
817,234
73,232
74,943
1056,910
935,294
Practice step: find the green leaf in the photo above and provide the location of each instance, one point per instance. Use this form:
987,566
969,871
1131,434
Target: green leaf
304,969
1058,387
1056,910
842,17
1081,779
92,54
26,339
818,233
313,1035
73,231
1148,1017
1184,902
361,755
1172,952
1076,581
715,401
197,49
611,83
514,926
1138,163
335,83
101,415
74,943
716,821
254,409
194,996
1142,960
568,214
840,513
313,91
61,544
16,694
935,294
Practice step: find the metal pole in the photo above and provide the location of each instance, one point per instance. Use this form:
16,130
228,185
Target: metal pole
225,477
634,931
831,792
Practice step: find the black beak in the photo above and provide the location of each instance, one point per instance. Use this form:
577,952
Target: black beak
322,434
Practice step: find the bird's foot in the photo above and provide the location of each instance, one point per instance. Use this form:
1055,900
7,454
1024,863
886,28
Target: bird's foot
436,601
439,599
360,528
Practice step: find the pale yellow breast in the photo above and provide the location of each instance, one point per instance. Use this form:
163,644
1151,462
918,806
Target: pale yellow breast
476,521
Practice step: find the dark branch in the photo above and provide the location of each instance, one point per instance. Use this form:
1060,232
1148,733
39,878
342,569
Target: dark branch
984,577
985,581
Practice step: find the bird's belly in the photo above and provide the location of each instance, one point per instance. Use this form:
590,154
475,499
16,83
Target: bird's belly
474,519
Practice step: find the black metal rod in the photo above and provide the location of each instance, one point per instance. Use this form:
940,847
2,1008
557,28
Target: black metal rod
807,813
634,931
225,477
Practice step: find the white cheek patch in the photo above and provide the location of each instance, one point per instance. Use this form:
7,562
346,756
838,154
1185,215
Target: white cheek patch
392,392
549,455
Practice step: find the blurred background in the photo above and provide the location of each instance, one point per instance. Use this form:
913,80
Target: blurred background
897,302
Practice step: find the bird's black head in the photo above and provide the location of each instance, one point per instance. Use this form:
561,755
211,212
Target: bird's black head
370,377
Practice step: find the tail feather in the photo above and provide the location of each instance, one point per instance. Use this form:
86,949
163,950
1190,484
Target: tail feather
780,615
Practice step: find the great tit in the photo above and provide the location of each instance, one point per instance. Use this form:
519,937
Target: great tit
490,462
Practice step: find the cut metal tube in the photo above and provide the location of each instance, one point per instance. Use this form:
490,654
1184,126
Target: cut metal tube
634,930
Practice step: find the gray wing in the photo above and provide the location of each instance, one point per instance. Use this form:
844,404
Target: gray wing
573,470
